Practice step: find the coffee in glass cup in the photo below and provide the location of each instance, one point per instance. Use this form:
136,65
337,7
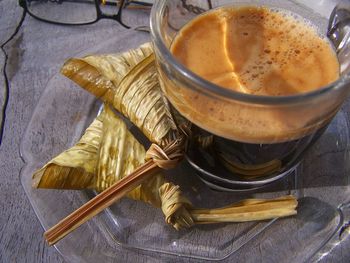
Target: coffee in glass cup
259,82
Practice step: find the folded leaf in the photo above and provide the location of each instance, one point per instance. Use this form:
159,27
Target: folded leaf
119,152
130,84
106,153
75,167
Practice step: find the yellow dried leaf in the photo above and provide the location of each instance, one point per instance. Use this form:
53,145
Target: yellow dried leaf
129,82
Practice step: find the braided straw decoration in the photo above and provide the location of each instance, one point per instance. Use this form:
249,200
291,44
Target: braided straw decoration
175,206
161,159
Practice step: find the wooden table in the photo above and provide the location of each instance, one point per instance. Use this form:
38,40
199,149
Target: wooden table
35,54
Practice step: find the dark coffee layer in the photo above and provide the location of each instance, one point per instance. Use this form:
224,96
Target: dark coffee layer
247,161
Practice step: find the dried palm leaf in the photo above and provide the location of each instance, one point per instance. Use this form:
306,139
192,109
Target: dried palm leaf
106,153
129,82
115,153
248,210
75,167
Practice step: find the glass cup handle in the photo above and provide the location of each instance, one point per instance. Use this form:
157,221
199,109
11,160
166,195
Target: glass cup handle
339,25
345,212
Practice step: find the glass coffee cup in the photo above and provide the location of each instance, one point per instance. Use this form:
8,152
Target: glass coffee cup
249,140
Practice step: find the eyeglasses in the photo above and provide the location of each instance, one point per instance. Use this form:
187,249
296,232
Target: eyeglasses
81,12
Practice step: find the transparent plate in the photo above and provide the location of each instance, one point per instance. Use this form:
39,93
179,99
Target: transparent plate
131,231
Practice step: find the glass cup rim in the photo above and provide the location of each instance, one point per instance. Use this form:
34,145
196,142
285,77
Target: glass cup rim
155,17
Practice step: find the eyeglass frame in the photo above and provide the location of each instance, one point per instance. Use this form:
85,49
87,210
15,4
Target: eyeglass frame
99,14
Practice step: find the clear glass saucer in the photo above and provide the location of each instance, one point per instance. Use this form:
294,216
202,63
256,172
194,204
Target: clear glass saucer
133,231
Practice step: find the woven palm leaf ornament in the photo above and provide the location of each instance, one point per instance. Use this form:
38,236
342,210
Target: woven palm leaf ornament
110,160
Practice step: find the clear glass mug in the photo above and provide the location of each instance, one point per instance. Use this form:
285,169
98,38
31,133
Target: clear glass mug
249,140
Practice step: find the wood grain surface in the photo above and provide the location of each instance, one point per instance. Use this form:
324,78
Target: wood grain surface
36,54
